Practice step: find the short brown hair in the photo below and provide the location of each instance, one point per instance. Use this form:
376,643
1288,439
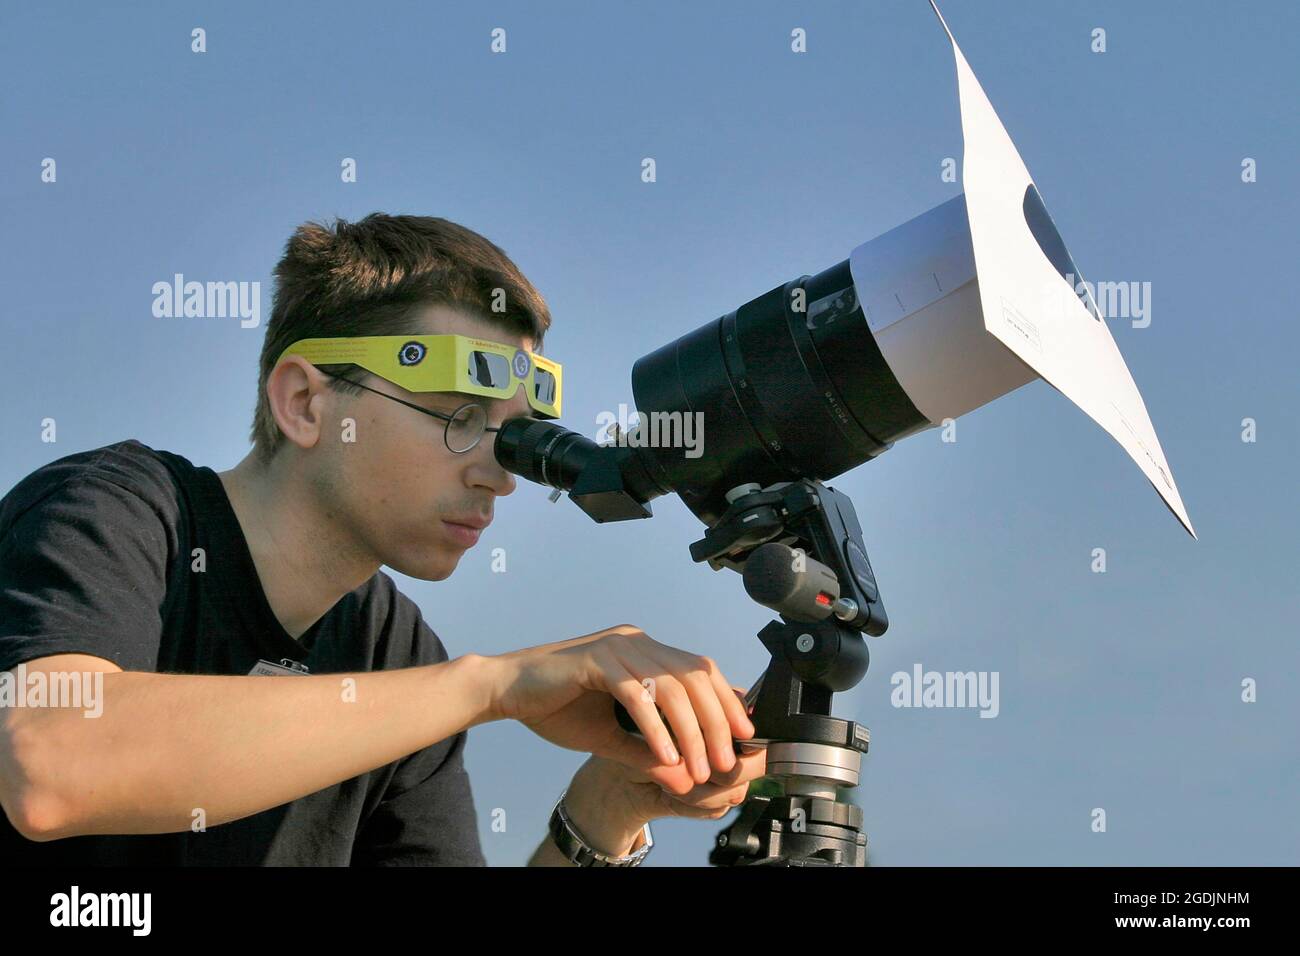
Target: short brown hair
368,277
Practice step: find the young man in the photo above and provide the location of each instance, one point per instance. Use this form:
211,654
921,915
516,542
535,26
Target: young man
265,694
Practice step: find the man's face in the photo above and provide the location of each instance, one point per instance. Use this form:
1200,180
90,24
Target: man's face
407,497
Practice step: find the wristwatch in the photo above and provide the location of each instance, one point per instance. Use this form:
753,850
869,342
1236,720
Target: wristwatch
577,850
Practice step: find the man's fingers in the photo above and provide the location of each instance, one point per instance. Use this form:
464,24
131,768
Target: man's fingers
687,695
733,702
708,800
715,794
750,765
640,657
699,813
629,692
713,720
676,782
677,706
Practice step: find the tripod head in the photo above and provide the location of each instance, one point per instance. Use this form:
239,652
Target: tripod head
799,548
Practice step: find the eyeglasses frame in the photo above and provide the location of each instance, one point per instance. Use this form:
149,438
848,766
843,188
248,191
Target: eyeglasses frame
447,419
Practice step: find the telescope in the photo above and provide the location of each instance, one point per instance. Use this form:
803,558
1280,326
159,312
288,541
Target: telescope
936,317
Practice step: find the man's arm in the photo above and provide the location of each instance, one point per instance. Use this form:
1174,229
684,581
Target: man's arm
166,745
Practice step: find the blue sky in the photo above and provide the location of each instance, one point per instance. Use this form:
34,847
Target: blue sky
1119,690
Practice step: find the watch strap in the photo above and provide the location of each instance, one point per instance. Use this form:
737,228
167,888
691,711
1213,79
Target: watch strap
576,849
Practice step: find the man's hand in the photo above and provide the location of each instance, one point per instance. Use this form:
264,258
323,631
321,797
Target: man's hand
631,798
646,800
562,692
609,803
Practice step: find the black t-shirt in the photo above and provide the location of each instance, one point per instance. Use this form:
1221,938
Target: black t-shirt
98,556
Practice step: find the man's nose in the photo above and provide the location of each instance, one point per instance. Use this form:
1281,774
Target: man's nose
517,407
487,471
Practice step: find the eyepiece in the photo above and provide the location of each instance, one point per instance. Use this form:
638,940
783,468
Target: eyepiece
543,452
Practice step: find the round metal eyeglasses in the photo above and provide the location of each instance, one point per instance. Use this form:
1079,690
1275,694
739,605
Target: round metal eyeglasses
461,430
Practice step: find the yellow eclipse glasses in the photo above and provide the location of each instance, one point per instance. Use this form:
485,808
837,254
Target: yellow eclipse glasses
444,363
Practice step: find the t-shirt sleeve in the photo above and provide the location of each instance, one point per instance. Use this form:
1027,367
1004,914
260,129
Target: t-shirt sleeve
83,570
426,818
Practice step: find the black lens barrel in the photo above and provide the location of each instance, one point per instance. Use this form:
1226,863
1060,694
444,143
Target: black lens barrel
790,385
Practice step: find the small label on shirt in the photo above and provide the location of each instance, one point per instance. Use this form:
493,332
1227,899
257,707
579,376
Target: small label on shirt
267,669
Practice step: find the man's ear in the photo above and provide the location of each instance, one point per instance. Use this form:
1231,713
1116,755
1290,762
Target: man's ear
299,395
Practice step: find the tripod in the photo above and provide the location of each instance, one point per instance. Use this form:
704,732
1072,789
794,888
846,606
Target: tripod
824,589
